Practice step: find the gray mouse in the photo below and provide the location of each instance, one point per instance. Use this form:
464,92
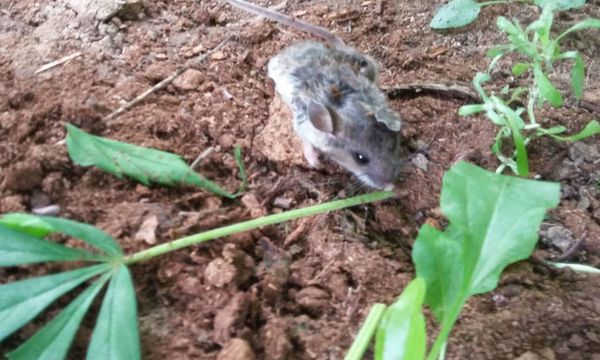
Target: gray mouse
338,110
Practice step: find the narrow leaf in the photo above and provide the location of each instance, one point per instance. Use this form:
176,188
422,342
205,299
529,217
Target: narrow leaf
582,25
142,164
578,76
592,128
23,300
17,248
547,90
40,224
54,339
116,334
456,13
467,110
401,333
367,330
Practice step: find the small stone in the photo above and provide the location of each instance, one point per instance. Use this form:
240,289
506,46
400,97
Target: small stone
147,230
50,210
226,141
251,202
156,72
197,49
420,161
558,237
161,56
236,349
189,80
219,273
283,203
579,152
218,55
313,300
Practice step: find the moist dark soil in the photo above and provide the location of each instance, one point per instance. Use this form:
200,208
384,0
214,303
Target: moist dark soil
299,290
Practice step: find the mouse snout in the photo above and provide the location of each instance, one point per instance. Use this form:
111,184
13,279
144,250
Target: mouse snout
384,178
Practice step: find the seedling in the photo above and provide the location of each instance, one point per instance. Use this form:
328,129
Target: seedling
139,163
116,335
494,221
457,13
540,52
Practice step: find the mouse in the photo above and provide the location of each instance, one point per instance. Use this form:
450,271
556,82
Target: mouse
338,110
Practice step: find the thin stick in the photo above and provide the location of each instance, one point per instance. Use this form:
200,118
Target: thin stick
201,157
165,82
455,90
55,63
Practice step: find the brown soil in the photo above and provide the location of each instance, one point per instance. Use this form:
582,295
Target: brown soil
299,290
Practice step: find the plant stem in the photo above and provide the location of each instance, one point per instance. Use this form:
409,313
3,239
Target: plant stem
441,340
253,224
494,2
366,332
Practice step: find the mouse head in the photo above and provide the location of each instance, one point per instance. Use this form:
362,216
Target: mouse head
366,143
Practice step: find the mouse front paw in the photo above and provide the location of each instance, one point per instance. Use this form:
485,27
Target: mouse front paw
312,155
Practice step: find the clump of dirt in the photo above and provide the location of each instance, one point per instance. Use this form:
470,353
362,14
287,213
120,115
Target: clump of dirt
298,290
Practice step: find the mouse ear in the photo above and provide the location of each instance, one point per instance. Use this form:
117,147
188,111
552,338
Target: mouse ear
389,118
321,117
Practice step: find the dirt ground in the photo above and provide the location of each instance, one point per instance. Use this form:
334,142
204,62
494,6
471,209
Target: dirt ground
299,290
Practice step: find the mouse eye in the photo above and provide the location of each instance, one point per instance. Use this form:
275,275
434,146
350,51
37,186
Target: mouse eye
361,159
363,63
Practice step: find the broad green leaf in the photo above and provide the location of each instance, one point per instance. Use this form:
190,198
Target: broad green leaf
142,164
19,248
54,339
592,128
519,69
23,300
456,13
44,225
582,25
116,334
467,110
401,333
546,89
494,220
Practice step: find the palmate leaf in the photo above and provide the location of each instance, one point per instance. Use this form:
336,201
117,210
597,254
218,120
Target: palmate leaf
18,248
401,332
494,221
41,226
456,13
116,334
142,164
23,300
53,340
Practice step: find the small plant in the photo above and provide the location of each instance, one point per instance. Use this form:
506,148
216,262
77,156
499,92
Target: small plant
494,221
457,13
540,52
142,164
116,335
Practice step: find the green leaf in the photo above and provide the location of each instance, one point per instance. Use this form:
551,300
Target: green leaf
54,339
578,76
116,334
471,109
519,69
17,248
142,164
592,128
456,13
561,4
582,25
506,25
367,330
547,90
516,124
401,333
23,300
44,225
494,220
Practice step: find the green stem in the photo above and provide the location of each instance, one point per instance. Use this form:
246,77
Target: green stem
253,224
366,332
439,344
493,2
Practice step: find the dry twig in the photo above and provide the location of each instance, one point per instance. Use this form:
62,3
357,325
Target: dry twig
166,81
55,63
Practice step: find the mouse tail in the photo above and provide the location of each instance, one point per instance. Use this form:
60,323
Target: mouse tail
288,20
